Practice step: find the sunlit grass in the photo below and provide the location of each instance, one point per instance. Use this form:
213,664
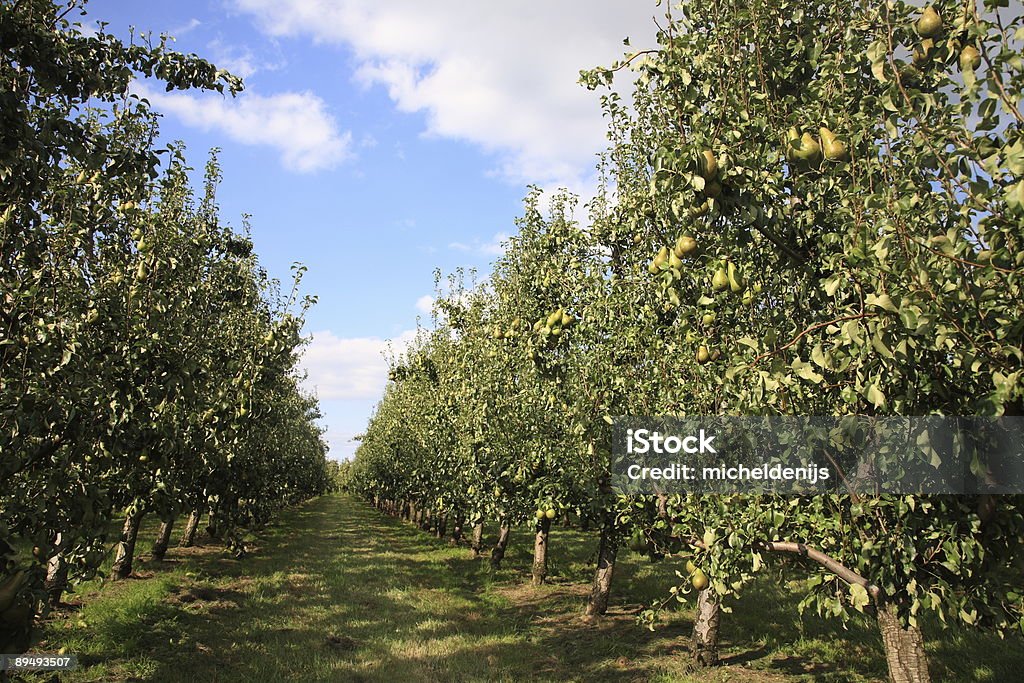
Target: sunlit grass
336,592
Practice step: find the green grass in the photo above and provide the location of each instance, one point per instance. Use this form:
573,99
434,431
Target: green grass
337,592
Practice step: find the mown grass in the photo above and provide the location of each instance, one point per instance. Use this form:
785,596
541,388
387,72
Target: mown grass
337,592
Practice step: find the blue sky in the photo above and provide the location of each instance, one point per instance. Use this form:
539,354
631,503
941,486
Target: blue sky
377,141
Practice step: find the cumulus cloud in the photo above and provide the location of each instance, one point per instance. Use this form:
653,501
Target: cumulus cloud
298,125
425,304
492,74
350,368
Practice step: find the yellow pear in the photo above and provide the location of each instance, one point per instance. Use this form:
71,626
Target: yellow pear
929,24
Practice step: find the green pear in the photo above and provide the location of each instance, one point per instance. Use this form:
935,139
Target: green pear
929,24
807,149
720,280
707,165
703,355
834,148
970,58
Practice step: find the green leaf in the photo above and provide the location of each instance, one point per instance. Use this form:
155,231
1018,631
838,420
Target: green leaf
881,301
874,395
859,597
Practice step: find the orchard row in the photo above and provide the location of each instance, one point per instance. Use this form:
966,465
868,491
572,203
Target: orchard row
147,363
735,263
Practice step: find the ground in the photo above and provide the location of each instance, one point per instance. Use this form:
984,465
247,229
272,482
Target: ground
334,591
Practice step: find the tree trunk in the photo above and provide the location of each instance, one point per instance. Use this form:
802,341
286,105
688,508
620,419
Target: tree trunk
442,526
599,594
56,574
904,648
540,551
478,539
457,530
188,537
498,552
211,527
125,555
705,628
163,539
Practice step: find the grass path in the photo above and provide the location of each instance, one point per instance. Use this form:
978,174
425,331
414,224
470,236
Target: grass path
337,592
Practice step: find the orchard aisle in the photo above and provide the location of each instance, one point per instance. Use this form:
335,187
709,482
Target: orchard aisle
336,591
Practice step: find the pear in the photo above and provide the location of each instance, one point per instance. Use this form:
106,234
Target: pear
685,246
834,148
929,24
658,261
716,354
674,262
555,318
736,283
807,149
720,280
970,58
699,580
697,211
703,355
708,319
707,165
713,188
923,53
792,142
690,567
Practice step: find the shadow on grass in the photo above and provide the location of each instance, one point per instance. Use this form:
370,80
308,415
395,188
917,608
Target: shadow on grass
337,592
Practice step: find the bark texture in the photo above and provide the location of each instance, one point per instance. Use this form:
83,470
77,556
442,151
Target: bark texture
540,551
56,574
705,628
478,539
904,648
163,539
125,555
188,537
606,552
498,552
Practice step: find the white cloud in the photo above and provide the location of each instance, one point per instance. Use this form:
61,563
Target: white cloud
186,28
497,75
425,304
298,125
350,368
495,247
240,60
